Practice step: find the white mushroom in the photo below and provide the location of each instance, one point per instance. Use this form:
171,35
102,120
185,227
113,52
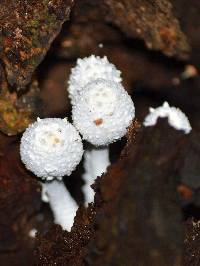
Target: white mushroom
88,69
102,113
176,117
52,148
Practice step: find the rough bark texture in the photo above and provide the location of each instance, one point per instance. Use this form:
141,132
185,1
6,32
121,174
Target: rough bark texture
143,213
27,29
19,201
192,242
16,113
136,217
151,21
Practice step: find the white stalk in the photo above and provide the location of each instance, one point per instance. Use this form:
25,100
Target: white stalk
96,161
62,204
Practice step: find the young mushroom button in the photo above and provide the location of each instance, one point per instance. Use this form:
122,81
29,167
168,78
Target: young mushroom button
51,148
103,112
176,117
89,69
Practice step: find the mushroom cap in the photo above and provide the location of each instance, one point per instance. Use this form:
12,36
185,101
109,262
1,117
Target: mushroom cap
176,117
51,148
88,69
102,112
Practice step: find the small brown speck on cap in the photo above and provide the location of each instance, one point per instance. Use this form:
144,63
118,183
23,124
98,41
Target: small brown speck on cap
98,121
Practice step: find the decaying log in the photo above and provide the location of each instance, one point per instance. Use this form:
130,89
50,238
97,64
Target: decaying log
136,218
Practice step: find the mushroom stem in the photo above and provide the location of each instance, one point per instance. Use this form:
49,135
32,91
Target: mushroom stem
62,204
96,161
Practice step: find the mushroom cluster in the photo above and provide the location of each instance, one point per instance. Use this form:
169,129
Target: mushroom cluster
52,148
102,111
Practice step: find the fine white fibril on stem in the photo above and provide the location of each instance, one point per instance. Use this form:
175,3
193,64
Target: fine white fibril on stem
62,204
96,161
